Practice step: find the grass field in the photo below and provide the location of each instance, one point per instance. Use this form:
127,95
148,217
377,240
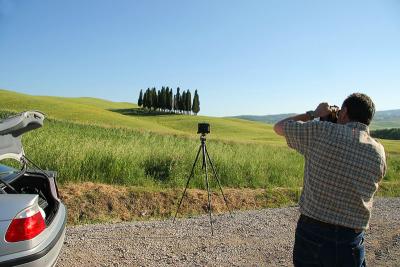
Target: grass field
90,111
87,142
127,157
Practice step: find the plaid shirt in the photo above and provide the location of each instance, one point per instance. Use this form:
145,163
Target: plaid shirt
343,166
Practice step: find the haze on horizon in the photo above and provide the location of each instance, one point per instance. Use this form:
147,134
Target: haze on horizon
258,57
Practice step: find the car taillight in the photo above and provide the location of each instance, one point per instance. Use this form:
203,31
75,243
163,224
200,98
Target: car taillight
26,225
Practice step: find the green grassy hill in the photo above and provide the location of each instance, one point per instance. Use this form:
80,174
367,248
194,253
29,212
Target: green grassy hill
382,119
386,124
92,111
78,110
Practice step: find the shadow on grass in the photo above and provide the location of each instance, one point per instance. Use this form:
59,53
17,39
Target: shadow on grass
141,112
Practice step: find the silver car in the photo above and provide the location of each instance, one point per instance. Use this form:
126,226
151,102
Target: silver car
32,217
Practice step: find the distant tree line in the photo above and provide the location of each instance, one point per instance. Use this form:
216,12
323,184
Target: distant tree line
164,100
391,134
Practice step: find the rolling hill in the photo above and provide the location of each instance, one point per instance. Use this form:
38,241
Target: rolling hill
270,119
92,111
386,119
382,119
87,139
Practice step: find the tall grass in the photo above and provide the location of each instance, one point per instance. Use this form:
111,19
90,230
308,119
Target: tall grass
122,156
125,156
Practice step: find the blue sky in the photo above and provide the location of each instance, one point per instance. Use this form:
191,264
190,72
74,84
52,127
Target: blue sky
244,57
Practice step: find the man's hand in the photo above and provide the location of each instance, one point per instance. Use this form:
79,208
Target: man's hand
322,110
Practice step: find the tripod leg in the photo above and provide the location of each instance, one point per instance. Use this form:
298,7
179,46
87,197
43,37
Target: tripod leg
219,183
187,183
208,188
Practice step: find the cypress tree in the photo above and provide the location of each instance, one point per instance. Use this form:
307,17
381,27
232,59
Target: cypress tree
167,98
144,100
147,99
140,100
150,100
154,102
178,100
171,95
159,99
196,103
188,101
174,103
183,101
164,99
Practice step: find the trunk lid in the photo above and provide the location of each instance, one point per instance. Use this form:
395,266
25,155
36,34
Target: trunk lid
11,130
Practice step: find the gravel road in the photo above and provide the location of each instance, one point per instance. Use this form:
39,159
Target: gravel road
248,238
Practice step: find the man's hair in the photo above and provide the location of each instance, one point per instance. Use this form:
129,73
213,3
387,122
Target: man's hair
360,108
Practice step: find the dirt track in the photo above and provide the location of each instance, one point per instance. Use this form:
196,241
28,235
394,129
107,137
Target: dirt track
249,238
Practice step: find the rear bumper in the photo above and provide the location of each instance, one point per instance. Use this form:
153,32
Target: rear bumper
46,254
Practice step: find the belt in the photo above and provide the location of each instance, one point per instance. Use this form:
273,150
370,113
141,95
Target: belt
307,219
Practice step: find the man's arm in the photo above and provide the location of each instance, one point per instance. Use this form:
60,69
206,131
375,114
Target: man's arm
321,111
278,127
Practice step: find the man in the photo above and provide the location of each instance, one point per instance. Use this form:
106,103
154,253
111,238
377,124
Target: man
343,166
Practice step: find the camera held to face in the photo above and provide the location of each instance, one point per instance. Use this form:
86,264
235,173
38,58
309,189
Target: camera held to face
333,116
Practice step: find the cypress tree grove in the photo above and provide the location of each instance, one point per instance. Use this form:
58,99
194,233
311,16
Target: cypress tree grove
165,100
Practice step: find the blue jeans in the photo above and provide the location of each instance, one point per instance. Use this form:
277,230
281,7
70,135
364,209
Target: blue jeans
319,244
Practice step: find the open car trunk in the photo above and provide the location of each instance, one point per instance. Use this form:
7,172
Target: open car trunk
37,183
32,217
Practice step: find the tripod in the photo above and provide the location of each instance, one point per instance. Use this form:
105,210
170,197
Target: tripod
205,156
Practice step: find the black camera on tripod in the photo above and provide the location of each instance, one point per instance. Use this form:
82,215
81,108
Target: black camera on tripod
203,128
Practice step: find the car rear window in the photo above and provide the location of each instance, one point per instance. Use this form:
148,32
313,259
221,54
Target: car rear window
7,173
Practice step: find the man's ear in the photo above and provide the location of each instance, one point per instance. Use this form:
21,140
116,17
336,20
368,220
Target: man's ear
343,117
